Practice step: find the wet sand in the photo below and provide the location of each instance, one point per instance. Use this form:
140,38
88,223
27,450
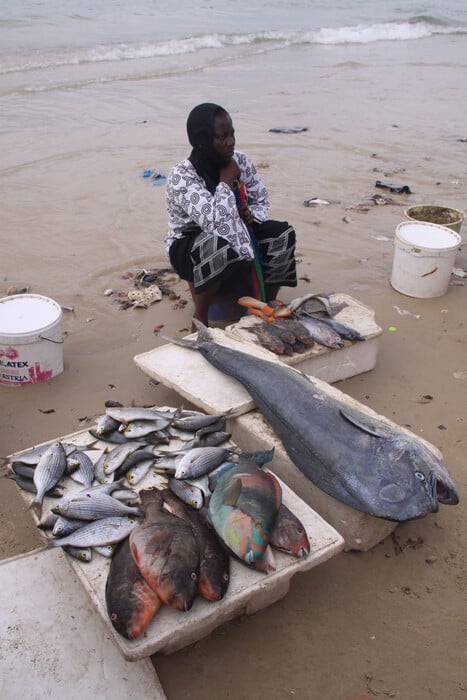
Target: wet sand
78,216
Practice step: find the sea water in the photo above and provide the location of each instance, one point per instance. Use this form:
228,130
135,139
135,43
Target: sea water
61,44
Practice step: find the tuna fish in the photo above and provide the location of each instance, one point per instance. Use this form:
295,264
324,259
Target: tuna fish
360,460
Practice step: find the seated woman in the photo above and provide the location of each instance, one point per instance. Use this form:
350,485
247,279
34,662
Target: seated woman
214,232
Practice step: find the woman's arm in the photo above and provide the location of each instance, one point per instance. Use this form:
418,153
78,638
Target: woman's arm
257,198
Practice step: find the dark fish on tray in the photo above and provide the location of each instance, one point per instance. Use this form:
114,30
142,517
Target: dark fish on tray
298,330
166,553
289,534
50,469
131,602
24,470
28,485
270,340
358,459
343,329
259,457
243,509
214,567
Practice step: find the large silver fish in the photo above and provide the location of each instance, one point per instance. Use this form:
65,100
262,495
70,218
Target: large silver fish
359,460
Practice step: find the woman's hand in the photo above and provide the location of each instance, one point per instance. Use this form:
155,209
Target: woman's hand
246,215
229,173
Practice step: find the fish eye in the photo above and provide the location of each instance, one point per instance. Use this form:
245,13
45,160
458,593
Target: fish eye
113,617
420,476
194,577
226,577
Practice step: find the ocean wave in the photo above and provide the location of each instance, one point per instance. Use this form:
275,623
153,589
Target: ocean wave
414,28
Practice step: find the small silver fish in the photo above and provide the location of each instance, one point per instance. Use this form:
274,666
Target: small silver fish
115,458
186,492
80,553
198,421
200,461
93,507
97,533
106,550
84,472
135,474
141,428
65,526
126,414
105,424
50,469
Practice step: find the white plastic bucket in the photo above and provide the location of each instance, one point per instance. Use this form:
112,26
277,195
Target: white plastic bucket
424,256
31,343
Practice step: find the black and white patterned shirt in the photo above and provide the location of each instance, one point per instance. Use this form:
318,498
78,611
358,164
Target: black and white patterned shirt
188,201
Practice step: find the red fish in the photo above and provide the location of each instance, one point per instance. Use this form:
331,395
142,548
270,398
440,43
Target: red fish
166,553
289,535
131,602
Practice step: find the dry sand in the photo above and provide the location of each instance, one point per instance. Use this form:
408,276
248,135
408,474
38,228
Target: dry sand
390,622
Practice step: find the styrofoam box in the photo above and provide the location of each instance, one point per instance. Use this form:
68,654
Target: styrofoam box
53,644
249,590
330,364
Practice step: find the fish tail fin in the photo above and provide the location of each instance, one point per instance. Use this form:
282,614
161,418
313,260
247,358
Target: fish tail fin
183,342
203,332
36,506
203,335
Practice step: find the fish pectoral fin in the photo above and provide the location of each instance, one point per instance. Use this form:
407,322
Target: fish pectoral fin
363,422
232,493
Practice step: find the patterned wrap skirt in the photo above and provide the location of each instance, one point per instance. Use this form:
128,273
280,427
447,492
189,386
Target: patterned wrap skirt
207,259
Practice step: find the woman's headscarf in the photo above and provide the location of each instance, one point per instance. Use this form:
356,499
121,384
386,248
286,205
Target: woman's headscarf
200,129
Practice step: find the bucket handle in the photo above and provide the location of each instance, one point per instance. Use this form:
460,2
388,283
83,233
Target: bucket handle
58,342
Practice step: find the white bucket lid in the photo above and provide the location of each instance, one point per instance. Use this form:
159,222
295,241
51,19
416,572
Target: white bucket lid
23,314
423,234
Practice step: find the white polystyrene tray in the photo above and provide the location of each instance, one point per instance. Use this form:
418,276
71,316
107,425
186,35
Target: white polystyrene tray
248,591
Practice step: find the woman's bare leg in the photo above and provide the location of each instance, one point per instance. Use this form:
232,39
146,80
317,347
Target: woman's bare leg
271,291
202,302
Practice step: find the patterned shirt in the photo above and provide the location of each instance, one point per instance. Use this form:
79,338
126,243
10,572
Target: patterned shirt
189,202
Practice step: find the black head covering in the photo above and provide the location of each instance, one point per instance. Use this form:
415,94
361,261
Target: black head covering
200,130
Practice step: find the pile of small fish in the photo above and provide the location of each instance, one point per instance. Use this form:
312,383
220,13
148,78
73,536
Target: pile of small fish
202,502
311,320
